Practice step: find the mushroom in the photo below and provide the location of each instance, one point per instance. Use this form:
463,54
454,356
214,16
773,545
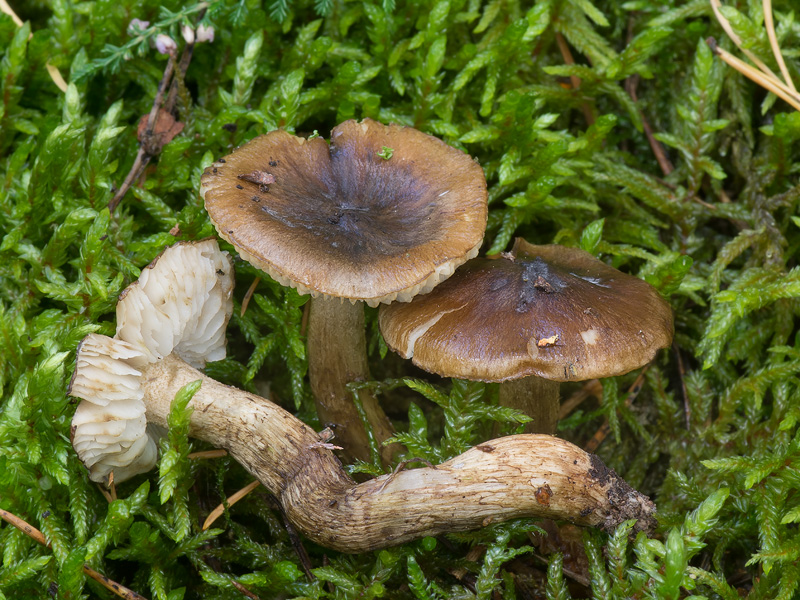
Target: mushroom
532,318
381,214
512,477
180,304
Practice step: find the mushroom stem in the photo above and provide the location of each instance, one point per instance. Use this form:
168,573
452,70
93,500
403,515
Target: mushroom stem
337,355
512,477
537,398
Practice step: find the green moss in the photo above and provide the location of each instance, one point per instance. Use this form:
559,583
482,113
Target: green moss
713,434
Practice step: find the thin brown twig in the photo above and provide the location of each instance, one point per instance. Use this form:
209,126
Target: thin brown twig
294,537
244,590
600,435
703,202
304,318
566,54
139,164
151,145
658,150
151,117
472,556
578,577
326,562
177,82
105,493
146,150
299,548
38,536
24,527
687,411
593,387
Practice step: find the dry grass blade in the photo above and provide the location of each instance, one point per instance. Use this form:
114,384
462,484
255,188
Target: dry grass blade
715,5
54,73
217,512
574,79
35,534
773,85
207,454
4,7
773,42
249,295
765,77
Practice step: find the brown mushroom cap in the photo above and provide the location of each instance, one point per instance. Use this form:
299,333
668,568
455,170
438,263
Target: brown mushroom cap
342,221
550,311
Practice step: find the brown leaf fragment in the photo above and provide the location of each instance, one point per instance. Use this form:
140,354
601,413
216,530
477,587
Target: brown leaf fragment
164,131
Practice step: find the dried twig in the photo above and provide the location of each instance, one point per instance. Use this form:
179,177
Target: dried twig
152,140
147,149
687,411
38,536
593,387
658,150
563,47
4,7
294,537
105,493
244,590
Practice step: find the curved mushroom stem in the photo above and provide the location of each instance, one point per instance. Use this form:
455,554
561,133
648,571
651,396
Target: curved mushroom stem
511,477
537,398
337,355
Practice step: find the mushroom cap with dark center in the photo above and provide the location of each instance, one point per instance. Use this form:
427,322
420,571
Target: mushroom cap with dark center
342,220
550,311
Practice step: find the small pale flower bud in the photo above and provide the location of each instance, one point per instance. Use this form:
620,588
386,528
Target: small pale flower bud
205,33
165,44
137,27
188,34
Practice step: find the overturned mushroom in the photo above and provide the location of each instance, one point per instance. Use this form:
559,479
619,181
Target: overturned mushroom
181,303
517,476
346,221
530,319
